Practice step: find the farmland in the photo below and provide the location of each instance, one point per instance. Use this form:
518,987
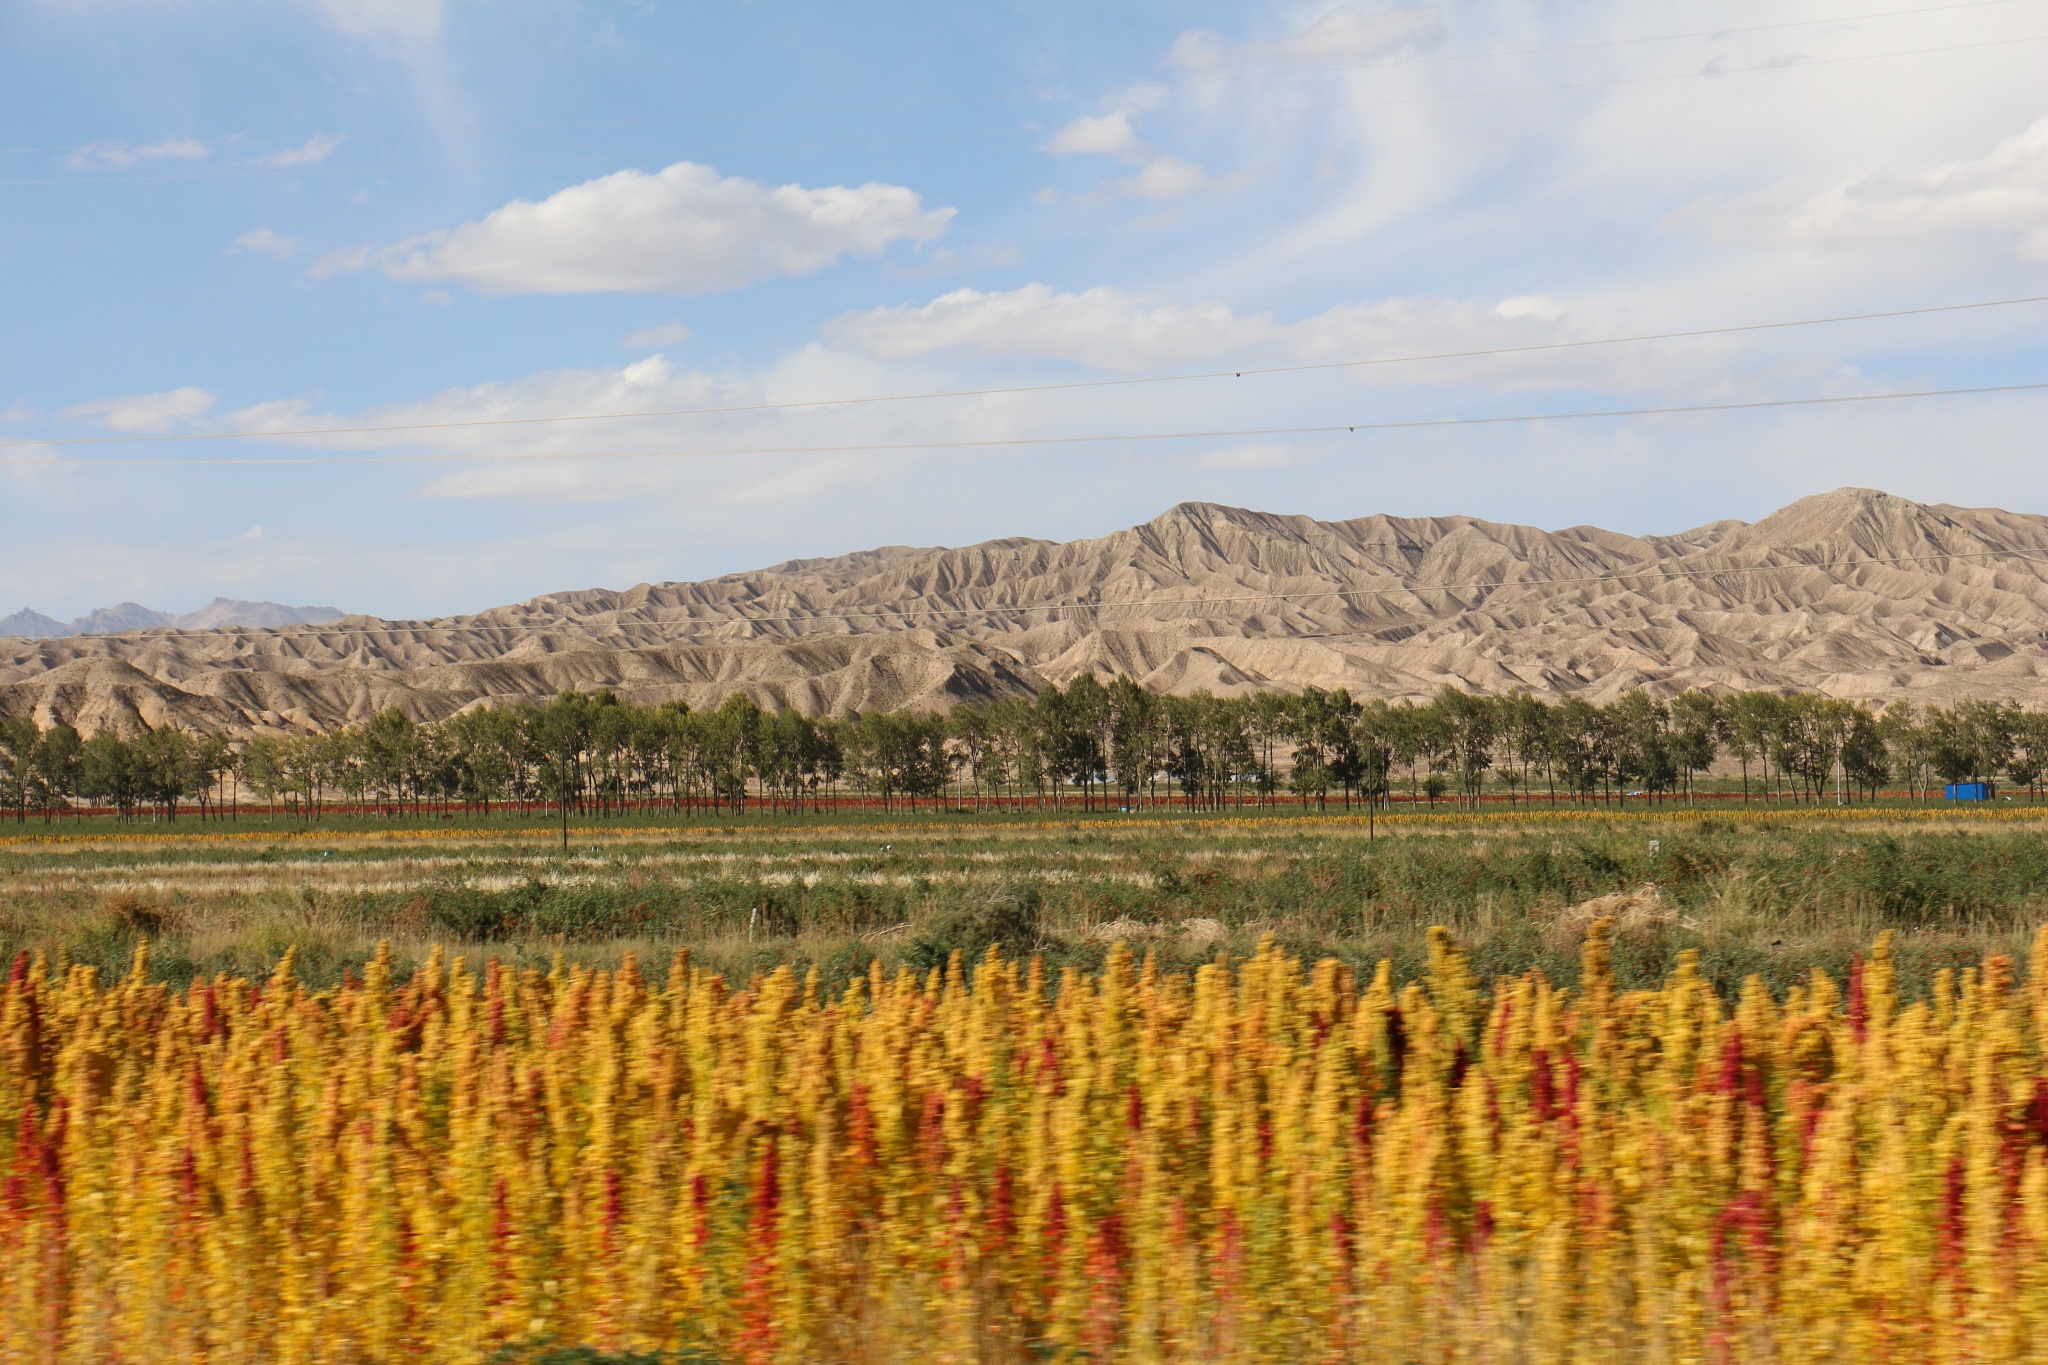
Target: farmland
1774,893
1262,1087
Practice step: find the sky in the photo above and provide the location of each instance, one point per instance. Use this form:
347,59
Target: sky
286,288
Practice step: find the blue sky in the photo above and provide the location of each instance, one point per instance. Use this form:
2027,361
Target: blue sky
309,215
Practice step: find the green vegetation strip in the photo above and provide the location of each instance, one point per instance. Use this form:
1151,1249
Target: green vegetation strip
1775,893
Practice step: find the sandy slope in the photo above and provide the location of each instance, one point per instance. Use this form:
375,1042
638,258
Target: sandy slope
1201,596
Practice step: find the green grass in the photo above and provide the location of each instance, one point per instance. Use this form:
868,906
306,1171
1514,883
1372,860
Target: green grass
1775,895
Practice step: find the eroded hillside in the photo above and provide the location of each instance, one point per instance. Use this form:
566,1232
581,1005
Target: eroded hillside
1855,593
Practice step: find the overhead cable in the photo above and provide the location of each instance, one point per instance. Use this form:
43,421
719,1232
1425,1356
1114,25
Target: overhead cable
1011,442
1241,372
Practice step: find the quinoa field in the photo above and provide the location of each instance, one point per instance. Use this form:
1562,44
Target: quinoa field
1533,1087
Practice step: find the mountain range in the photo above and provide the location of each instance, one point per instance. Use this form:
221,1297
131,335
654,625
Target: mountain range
1856,593
222,611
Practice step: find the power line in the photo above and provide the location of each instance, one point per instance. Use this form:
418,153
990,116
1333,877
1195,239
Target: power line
826,615
875,447
255,173
1192,75
1240,373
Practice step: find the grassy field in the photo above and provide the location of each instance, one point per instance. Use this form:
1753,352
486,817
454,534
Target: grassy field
1773,893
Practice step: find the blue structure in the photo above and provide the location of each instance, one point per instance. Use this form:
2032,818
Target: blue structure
1969,791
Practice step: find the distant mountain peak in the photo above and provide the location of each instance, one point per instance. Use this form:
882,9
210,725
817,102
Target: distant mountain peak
122,616
31,625
1865,523
228,611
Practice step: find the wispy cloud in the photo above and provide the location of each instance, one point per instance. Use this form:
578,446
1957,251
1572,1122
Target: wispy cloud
263,242
119,156
1168,177
2001,194
340,261
667,334
1099,135
401,21
1115,330
1158,175
274,415
1102,327
145,411
1344,34
312,151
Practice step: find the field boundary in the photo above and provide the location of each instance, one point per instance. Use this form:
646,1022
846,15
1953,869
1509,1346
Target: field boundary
1077,820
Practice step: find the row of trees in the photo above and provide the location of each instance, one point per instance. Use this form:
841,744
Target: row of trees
52,770
1100,745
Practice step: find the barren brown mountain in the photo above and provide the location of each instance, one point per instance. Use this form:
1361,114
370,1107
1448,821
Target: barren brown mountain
1854,593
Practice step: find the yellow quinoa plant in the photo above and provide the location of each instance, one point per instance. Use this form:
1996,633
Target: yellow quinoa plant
1259,1162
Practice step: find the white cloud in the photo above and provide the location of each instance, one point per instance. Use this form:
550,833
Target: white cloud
1198,49
119,156
408,33
684,230
771,470
1432,163
1345,34
2001,194
650,373
146,411
253,533
548,462
1099,135
1348,34
41,471
1119,331
649,384
404,21
276,415
340,261
666,334
313,150
1158,176
263,242
1540,306
1168,177
1102,327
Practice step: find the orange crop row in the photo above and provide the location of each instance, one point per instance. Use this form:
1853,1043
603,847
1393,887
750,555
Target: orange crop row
1259,1162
